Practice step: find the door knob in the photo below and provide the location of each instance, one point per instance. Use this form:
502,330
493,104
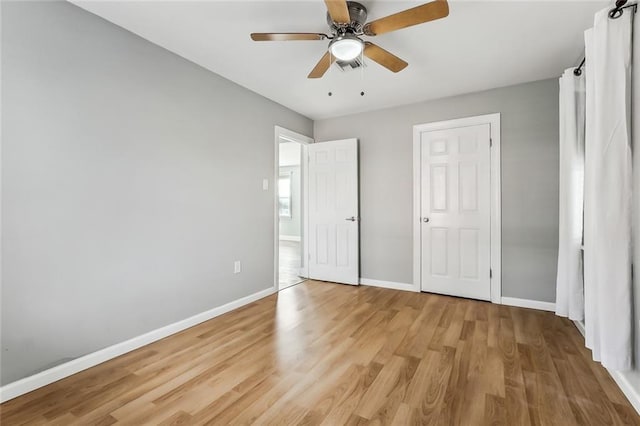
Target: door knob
351,219
425,219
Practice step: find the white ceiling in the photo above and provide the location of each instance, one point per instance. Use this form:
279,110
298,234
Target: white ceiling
480,45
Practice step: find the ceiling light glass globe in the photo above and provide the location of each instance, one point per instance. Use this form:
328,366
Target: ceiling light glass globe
346,48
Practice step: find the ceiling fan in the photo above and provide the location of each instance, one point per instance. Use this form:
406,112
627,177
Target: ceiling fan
348,23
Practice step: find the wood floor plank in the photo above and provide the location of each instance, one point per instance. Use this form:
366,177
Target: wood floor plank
428,388
346,406
626,414
386,411
179,418
403,416
215,407
509,351
495,411
517,410
322,353
381,387
454,396
321,399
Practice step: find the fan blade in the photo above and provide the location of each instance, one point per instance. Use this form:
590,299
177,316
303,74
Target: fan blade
322,66
287,36
384,58
414,16
338,11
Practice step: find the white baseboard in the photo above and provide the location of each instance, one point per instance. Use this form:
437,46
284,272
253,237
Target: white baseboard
627,388
61,371
289,238
527,303
388,284
619,377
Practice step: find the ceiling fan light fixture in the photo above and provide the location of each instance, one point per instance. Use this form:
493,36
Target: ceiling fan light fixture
346,47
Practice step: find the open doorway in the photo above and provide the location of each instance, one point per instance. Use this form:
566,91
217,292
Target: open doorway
290,208
290,213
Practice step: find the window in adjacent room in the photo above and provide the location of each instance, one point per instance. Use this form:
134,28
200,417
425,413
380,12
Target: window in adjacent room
284,195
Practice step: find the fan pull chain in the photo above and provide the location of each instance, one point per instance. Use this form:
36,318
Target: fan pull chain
362,71
329,69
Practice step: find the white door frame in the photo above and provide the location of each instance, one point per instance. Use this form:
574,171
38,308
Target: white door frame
496,240
285,134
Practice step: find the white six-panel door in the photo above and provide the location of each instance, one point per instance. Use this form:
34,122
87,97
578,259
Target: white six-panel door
333,211
456,211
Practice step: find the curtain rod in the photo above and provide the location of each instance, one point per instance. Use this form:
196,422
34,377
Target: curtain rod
614,13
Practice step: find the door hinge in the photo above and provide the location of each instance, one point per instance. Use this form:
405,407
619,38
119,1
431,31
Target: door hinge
490,142
490,273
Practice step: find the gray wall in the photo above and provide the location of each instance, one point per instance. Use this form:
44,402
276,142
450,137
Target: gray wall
529,182
291,226
132,179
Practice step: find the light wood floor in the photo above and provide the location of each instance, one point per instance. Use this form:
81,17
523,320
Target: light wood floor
289,259
322,353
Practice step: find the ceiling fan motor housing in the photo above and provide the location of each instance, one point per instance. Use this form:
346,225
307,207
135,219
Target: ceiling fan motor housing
358,16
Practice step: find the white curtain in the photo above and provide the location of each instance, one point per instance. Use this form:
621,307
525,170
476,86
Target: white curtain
569,283
607,191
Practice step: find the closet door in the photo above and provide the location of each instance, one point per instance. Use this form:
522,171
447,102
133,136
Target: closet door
456,211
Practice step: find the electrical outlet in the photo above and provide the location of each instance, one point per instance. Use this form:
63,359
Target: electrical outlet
265,184
237,267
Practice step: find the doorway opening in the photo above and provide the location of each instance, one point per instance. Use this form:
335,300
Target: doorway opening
290,201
